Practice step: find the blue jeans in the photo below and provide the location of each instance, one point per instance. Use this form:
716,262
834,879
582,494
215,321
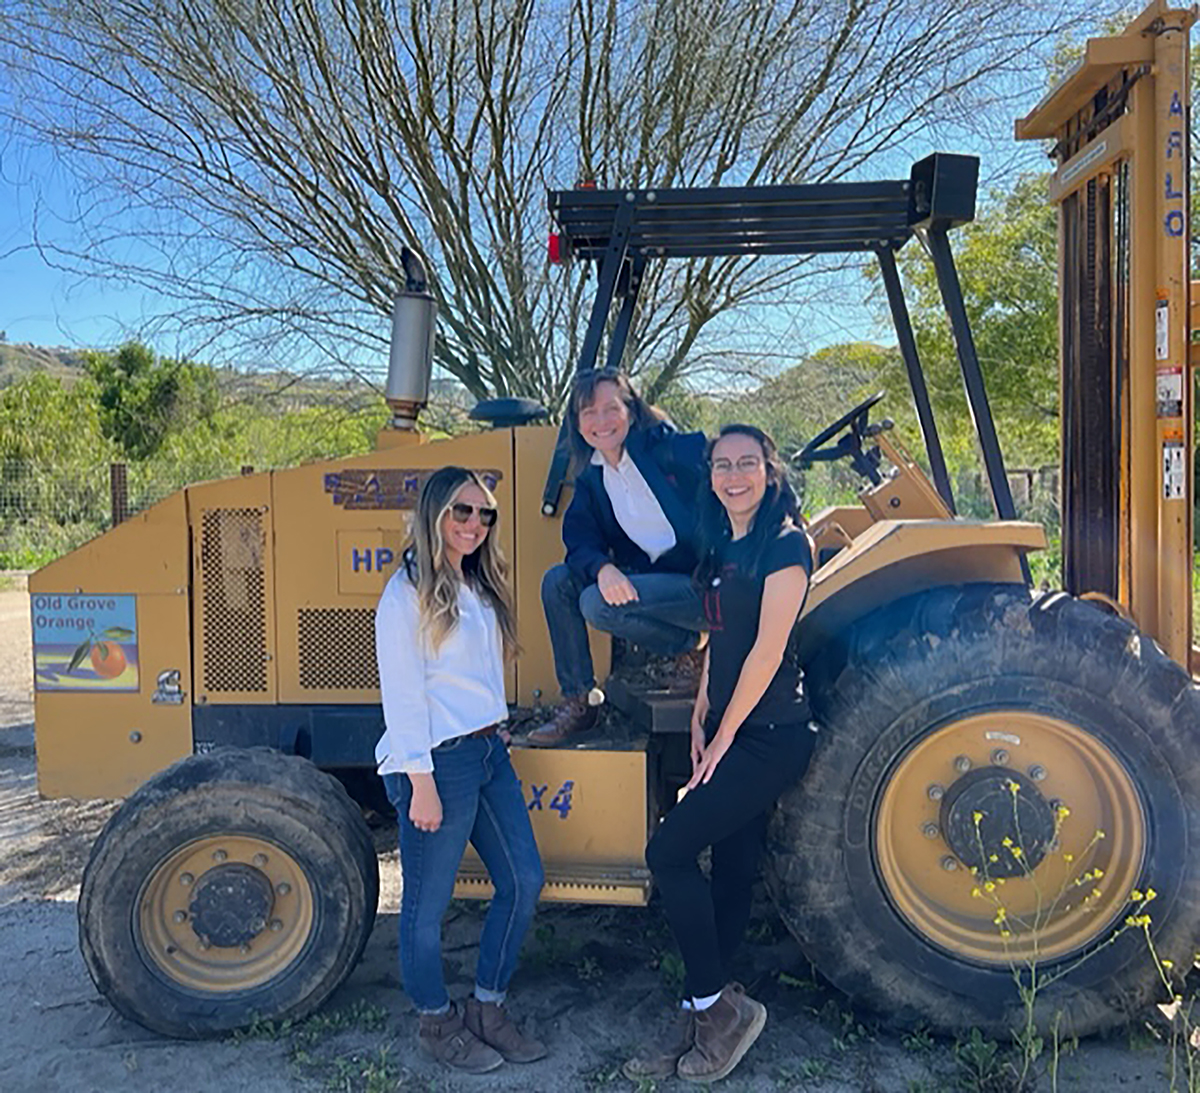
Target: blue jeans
481,802
665,618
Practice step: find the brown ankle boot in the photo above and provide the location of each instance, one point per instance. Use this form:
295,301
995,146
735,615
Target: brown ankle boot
724,1033
573,717
490,1022
659,1057
444,1037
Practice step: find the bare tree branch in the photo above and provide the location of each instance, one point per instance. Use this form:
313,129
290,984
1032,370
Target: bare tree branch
262,164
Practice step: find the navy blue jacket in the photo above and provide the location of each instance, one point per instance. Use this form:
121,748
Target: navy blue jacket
672,464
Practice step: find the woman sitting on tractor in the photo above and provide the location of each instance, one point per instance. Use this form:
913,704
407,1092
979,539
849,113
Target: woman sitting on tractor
443,628
630,537
751,739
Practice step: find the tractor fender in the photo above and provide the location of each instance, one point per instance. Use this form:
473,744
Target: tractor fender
895,558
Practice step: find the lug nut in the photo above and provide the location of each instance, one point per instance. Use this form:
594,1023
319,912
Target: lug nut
936,792
220,855
180,916
185,879
930,830
1037,773
276,924
244,947
1000,757
205,943
962,764
259,860
283,888
949,864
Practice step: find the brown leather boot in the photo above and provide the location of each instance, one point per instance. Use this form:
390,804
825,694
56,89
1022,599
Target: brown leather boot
490,1022
572,718
444,1037
659,1057
724,1033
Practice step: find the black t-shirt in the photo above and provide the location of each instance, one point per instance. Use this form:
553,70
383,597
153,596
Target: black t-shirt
732,604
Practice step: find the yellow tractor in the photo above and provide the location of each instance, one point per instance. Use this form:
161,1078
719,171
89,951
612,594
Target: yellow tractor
1004,776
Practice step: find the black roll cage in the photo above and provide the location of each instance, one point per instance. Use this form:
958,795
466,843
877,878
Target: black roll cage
620,230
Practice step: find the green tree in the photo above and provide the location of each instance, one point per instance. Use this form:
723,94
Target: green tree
1007,265
143,397
54,461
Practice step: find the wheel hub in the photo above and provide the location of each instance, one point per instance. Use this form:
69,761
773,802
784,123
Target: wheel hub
997,822
231,906
225,912
1076,817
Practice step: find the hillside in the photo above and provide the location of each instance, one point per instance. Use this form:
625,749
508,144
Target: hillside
22,359
275,391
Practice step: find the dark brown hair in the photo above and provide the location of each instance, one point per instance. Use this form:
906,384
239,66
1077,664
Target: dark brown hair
641,414
778,506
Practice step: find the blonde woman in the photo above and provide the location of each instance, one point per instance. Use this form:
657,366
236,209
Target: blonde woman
442,630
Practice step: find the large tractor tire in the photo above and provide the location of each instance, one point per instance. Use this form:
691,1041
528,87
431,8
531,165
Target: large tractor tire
232,887
1002,780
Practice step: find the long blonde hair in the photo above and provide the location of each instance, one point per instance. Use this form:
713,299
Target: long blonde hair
436,580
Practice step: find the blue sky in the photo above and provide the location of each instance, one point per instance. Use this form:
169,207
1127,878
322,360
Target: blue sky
39,303
52,307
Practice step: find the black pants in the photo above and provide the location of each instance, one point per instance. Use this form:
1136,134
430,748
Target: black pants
730,814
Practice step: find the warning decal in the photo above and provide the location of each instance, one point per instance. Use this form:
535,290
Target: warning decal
1162,330
1174,470
1168,392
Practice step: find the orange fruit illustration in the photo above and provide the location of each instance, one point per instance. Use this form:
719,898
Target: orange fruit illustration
108,659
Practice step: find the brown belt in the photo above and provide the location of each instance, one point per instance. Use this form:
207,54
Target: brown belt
487,730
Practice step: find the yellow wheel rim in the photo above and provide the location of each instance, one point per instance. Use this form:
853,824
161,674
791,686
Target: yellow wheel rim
1077,890
225,913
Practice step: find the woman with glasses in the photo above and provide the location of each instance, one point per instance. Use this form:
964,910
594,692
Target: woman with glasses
751,739
443,628
630,536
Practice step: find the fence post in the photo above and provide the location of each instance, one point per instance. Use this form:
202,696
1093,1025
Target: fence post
118,484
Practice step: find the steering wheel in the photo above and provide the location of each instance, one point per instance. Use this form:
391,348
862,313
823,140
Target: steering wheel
855,420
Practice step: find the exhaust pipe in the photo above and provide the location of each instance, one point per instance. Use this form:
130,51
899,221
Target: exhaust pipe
410,363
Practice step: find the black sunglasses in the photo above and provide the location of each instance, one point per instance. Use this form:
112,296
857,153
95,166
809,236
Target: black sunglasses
461,512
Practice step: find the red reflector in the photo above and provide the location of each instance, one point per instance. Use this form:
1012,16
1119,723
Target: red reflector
555,249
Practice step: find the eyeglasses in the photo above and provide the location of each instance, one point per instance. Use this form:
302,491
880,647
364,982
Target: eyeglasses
748,464
460,511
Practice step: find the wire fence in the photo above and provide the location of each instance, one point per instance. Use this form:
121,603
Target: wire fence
46,511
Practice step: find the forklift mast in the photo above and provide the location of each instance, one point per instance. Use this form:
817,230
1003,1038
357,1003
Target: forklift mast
621,230
1119,124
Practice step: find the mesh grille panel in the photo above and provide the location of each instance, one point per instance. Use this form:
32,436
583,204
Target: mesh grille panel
337,648
232,545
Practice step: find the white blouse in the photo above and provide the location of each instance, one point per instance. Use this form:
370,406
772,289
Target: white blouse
428,698
637,510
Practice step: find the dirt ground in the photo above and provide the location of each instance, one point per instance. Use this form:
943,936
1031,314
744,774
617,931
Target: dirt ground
591,981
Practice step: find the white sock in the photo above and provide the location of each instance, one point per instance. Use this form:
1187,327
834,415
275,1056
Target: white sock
701,1004
686,1004
485,995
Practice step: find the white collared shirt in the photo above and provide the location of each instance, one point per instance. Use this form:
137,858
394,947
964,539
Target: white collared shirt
427,698
634,505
